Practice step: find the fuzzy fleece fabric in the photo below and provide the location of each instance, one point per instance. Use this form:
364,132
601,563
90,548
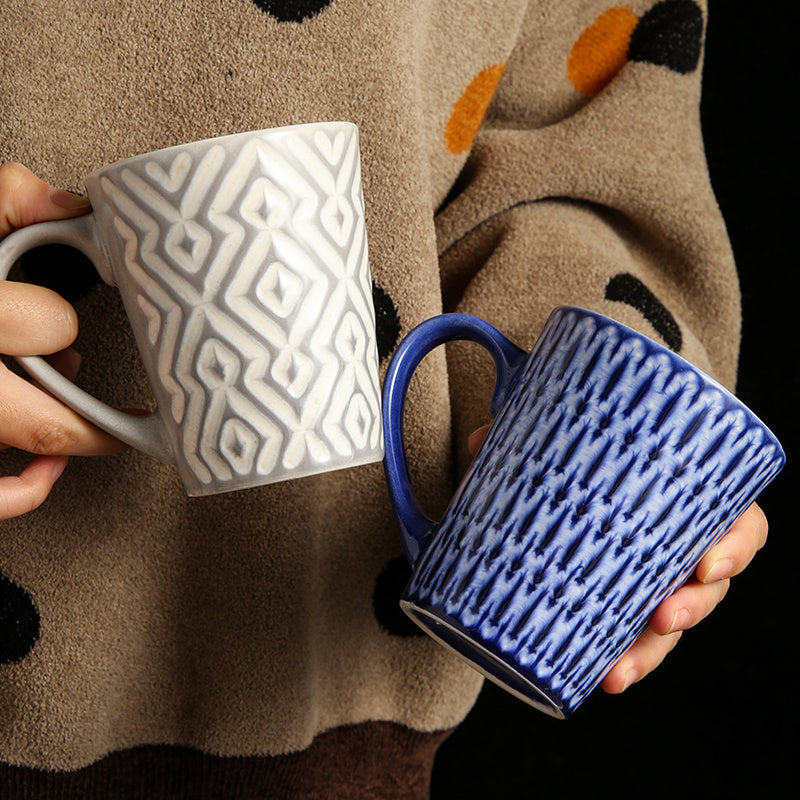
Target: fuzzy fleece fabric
516,155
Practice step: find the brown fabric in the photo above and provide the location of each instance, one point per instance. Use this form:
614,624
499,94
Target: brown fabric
241,624
566,195
372,761
246,624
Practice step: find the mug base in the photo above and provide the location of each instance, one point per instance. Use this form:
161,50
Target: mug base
253,481
481,659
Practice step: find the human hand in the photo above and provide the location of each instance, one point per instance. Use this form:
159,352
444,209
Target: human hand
688,605
692,602
37,321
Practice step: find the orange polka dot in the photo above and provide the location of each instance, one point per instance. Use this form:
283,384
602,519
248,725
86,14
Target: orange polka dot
601,51
469,110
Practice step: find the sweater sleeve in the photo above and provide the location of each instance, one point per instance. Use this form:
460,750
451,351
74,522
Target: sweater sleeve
587,185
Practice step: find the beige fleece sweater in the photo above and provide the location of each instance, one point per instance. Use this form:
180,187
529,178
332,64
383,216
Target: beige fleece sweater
517,155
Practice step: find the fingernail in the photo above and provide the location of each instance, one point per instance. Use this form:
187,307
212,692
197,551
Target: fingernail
631,676
680,619
59,468
69,201
719,570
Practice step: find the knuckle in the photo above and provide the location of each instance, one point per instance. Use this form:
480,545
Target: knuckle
51,438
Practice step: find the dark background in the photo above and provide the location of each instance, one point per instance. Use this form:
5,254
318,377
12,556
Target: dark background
718,716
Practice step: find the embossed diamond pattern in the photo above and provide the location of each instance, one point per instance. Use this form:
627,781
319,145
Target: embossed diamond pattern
261,254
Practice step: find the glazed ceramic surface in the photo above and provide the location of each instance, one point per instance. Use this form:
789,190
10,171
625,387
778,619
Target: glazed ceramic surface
242,262
612,466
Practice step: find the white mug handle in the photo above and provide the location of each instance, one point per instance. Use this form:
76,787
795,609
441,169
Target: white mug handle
145,433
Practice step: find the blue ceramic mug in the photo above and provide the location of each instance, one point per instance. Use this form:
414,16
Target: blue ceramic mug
611,467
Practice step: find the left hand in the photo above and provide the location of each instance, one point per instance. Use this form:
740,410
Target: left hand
688,605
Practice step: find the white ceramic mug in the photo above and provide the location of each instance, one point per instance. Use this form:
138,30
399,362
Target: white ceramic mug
242,263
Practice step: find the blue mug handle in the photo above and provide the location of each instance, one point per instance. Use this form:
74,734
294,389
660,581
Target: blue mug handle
413,524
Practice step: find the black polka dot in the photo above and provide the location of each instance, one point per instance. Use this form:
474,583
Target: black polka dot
669,35
292,10
387,321
63,269
19,622
626,288
386,599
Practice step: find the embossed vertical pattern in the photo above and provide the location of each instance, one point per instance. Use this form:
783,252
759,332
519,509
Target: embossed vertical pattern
600,486
249,274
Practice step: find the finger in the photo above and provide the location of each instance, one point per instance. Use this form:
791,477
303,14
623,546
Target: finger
476,439
641,658
33,421
22,493
34,320
687,606
67,362
25,199
736,549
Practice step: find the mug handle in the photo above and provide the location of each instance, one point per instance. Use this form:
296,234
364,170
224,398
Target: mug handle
413,524
145,433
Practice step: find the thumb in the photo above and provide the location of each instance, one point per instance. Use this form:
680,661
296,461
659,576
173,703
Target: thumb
25,199
476,438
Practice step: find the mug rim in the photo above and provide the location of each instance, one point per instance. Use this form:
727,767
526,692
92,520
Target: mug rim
679,360
280,130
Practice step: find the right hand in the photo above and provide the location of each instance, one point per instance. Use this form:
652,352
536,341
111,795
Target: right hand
37,321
